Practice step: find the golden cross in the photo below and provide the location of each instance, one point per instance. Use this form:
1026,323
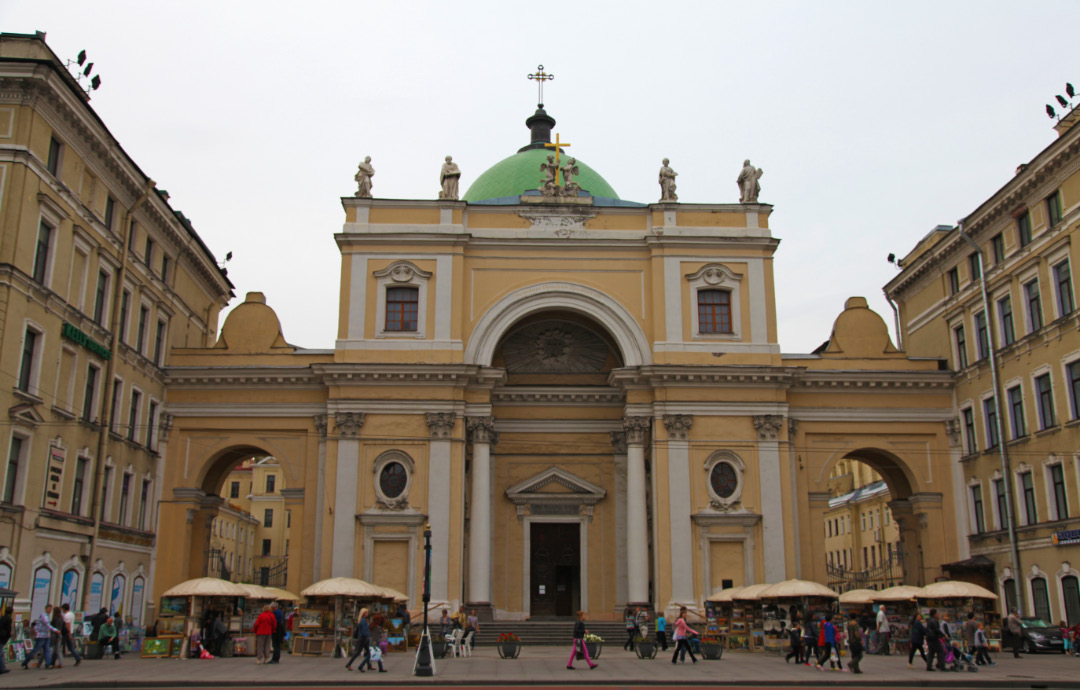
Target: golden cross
556,146
541,76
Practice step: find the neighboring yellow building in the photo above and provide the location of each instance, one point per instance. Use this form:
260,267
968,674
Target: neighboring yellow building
255,487
233,544
99,278
862,541
583,396
1025,234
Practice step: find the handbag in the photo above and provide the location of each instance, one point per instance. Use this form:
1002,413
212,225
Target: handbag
376,653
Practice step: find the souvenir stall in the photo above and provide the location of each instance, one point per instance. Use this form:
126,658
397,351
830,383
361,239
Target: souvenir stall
723,624
856,601
324,623
900,608
747,604
785,601
242,642
956,600
187,609
396,636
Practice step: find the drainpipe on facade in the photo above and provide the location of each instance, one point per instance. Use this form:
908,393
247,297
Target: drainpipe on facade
107,393
896,320
1010,497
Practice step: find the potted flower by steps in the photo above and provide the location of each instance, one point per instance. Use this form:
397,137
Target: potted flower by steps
712,647
595,644
508,646
645,647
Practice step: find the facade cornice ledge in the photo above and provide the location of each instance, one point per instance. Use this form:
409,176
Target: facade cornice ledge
241,376
714,519
409,374
692,376
585,395
874,380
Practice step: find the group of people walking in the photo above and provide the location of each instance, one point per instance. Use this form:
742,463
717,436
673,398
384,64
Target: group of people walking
931,638
53,636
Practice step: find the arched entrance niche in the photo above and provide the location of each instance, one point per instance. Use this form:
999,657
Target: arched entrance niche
878,529
555,472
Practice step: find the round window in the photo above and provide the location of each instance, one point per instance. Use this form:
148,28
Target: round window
724,479
393,479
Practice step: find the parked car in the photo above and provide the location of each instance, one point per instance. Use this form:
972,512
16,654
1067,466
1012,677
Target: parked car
1041,636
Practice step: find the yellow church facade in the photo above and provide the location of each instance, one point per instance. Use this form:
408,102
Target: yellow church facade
584,397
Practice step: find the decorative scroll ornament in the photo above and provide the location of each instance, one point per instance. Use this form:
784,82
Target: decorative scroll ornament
348,424
440,424
678,426
768,426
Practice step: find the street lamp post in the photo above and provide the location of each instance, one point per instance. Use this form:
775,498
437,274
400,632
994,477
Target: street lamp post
424,665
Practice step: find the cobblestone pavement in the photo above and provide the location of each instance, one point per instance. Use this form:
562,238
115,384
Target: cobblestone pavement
540,666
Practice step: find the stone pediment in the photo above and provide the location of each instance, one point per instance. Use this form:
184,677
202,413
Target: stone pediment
25,413
555,491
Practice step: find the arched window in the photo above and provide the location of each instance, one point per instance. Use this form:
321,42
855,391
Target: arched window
5,575
138,586
42,591
1009,586
1070,590
714,311
402,307
116,600
69,588
1040,598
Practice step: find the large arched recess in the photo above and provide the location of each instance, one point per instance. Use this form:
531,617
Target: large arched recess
553,296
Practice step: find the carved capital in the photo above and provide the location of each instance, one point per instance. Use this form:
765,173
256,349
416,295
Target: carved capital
768,426
636,429
165,422
618,441
483,430
678,426
440,424
348,424
320,425
952,430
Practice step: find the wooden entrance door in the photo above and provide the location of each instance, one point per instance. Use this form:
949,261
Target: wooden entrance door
555,567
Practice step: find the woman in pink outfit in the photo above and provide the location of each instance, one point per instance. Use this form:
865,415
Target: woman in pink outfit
682,633
579,642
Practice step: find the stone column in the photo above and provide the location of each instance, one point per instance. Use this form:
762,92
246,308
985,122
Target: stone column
959,496
348,425
441,424
772,500
637,524
320,495
618,442
682,552
906,524
483,436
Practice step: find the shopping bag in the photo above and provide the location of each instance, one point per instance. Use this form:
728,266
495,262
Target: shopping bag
376,654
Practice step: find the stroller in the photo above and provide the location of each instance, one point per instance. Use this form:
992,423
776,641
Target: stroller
957,660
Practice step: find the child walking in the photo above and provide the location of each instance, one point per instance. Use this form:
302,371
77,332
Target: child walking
579,642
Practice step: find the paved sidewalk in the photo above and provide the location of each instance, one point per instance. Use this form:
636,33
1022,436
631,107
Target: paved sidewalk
540,666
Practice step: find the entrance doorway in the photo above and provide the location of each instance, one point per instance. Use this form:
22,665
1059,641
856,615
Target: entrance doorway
555,567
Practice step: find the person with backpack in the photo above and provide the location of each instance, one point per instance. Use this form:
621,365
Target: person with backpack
826,643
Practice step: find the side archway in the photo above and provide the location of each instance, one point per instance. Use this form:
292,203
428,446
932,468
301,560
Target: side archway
613,316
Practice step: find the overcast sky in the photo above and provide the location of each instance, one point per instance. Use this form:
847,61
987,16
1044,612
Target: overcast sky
873,121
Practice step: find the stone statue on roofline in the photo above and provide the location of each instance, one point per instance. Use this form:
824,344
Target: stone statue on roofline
749,187
548,186
364,173
570,188
448,179
667,183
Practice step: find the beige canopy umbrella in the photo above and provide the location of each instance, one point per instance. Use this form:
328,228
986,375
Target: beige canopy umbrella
792,589
955,589
391,593
206,587
724,595
898,593
858,596
259,592
282,594
344,587
750,593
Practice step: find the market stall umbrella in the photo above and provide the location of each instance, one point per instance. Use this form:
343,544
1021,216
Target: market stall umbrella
858,596
398,597
344,587
725,595
951,589
282,594
793,589
206,587
259,592
751,592
898,593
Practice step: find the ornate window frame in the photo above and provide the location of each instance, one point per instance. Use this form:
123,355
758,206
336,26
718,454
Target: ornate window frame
400,502
733,501
715,276
402,273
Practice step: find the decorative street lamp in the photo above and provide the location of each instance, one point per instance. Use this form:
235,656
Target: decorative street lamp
424,665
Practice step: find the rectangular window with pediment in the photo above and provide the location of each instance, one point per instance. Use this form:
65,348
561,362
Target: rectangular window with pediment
401,311
402,308
714,311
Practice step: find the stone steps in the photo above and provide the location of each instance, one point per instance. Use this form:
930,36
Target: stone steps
549,632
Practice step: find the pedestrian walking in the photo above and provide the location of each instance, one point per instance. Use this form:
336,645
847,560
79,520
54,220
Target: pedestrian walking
934,643
579,643
661,630
810,638
855,643
1016,631
795,636
377,637
55,639
982,647
67,641
279,632
264,628
5,635
631,628
362,635
883,631
682,637
826,643
43,630
918,640
970,626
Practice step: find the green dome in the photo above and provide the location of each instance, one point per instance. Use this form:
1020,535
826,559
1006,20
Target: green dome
520,173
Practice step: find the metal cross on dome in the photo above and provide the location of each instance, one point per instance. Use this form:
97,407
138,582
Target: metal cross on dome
557,145
540,77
